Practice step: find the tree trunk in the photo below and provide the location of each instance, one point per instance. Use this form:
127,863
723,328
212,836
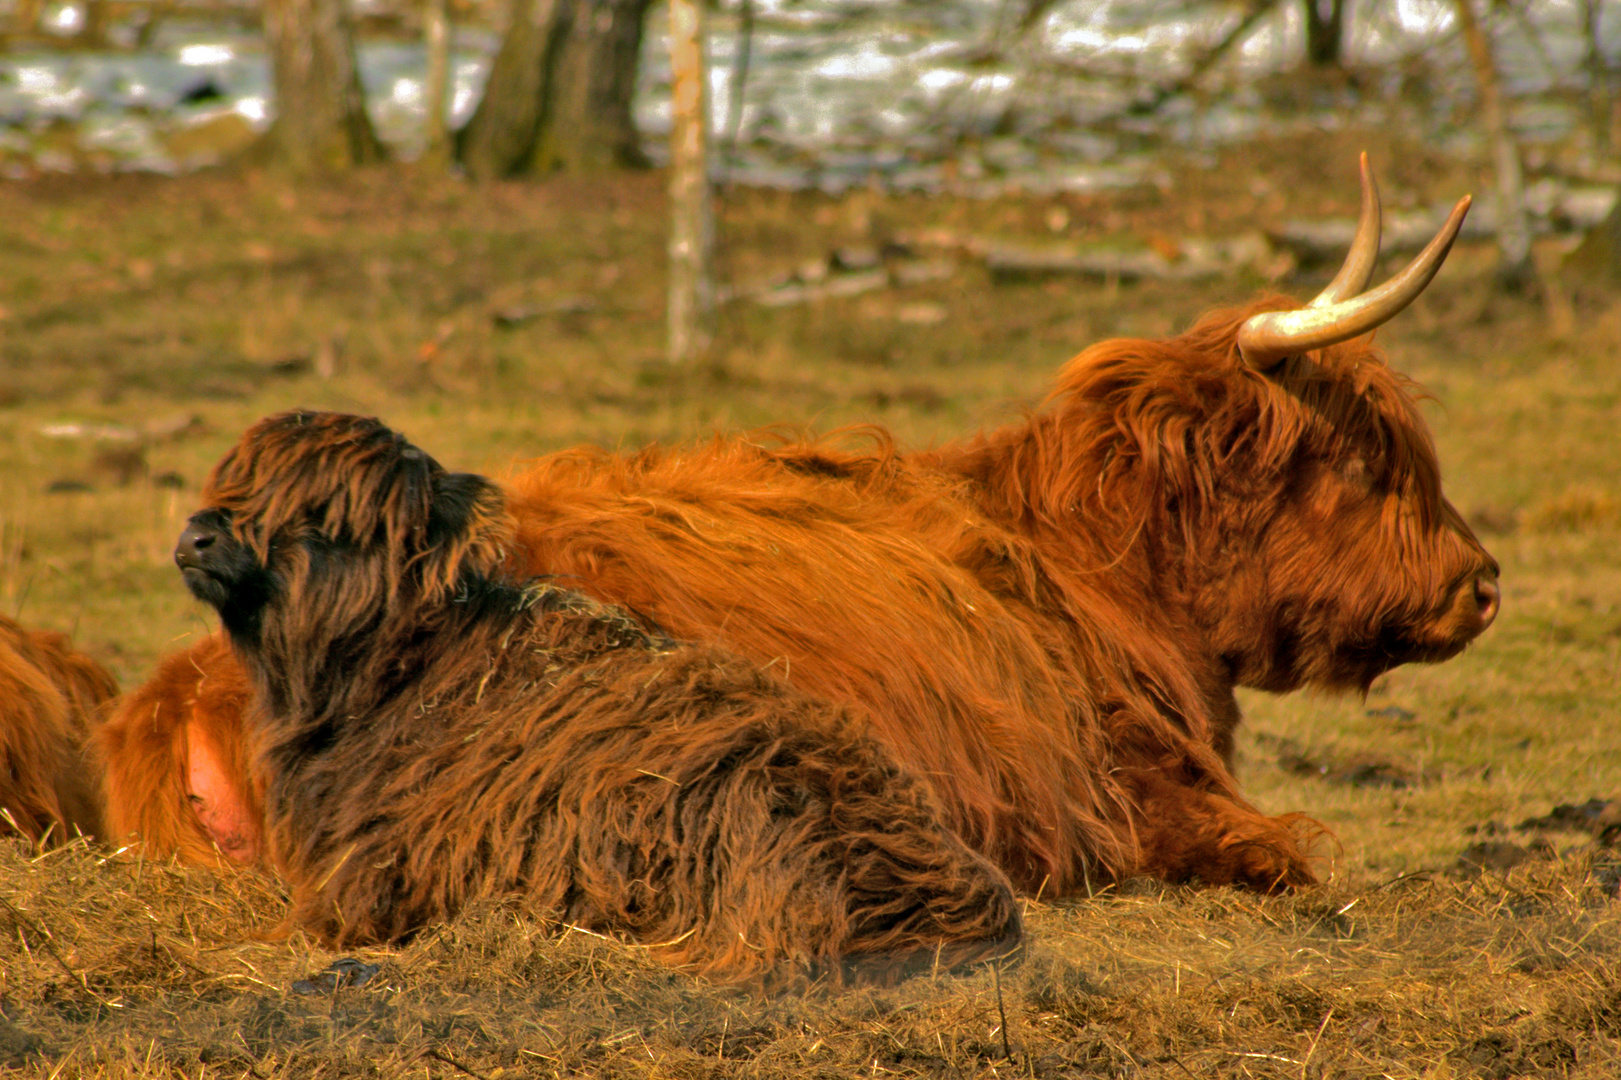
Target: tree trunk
1513,230
321,123
499,139
740,80
94,31
1598,80
691,302
436,81
560,91
25,17
1325,31
589,125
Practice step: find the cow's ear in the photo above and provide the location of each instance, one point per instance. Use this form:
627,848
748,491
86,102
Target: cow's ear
459,501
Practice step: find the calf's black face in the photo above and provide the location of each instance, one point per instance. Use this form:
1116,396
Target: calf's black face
222,572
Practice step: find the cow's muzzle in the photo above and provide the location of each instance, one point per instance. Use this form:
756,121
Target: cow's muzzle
195,546
1488,598
209,557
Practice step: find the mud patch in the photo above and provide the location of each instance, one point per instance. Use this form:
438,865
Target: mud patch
1600,818
1501,1055
1498,852
16,1045
1597,818
1360,770
1499,856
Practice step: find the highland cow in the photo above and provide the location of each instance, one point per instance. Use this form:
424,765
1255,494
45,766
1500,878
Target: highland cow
1046,623
49,697
427,729
177,742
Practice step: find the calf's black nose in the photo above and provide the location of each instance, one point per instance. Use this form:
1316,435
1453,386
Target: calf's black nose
193,543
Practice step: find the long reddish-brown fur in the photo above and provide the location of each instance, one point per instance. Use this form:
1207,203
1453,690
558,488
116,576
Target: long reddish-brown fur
427,728
1047,621
1050,619
176,744
50,695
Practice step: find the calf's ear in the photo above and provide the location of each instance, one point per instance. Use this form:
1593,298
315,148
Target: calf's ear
459,499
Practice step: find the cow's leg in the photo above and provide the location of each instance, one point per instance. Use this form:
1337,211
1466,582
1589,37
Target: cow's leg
1187,831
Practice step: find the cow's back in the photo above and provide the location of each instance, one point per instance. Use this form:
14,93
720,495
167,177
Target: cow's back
865,583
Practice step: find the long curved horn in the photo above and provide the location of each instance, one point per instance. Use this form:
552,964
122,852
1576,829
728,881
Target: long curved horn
1358,269
1267,339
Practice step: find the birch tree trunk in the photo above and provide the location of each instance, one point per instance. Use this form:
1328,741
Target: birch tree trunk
321,123
691,303
1513,229
436,82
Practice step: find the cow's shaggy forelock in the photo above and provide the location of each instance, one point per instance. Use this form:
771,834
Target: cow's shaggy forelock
342,508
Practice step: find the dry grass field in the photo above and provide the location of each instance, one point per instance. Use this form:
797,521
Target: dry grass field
144,322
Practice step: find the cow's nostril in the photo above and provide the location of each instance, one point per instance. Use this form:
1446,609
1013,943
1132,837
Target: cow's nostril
192,543
1487,598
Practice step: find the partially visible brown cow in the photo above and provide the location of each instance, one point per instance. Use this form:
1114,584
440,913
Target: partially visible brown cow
177,742
429,729
1047,622
49,697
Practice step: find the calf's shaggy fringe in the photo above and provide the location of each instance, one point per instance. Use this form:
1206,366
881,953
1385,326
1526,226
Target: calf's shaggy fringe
427,730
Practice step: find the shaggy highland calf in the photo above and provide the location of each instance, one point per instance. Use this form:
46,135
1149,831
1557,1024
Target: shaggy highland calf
426,729
49,696
1047,622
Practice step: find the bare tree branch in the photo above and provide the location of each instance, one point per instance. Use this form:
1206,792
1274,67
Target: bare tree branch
1257,10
